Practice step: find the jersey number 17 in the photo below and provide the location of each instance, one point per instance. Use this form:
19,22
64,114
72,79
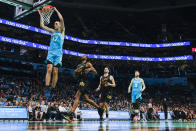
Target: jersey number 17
55,38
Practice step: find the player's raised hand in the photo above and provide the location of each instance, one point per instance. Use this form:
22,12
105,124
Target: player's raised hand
107,84
87,70
55,9
79,69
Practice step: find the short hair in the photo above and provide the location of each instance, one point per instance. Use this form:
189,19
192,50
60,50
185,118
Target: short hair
108,68
86,57
137,71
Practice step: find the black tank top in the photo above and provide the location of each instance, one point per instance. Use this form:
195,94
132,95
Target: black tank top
83,76
105,79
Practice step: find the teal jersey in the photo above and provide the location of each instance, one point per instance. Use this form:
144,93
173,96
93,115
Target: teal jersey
137,84
56,43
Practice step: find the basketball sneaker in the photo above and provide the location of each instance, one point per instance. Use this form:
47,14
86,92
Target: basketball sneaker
69,116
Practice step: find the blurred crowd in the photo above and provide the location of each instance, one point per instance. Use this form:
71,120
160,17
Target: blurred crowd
182,112
42,104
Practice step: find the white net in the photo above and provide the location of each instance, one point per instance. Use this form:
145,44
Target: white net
46,16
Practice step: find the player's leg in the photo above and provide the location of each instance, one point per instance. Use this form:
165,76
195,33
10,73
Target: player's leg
76,101
86,98
57,63
136,105
48,74
69,116
138,99
101,101
100,109
55,76
50,62
107,109
132,107
101,105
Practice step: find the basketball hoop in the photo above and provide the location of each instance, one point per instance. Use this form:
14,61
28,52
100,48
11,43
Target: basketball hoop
46,13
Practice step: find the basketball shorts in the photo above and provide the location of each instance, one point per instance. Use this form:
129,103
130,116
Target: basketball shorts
54,59
135,96
84,88
105,97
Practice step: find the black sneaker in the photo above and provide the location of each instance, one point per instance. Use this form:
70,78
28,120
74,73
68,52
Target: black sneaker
69,116
100,112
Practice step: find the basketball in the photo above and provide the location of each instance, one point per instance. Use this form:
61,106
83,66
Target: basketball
46,9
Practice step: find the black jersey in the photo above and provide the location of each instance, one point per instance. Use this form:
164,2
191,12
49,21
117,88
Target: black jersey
82,75
83,79
106,91
104,81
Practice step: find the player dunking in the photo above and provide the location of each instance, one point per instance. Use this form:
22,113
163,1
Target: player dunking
55,51
81,74
106,82
138,86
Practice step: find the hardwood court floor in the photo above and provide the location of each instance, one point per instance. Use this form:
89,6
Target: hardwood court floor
96,126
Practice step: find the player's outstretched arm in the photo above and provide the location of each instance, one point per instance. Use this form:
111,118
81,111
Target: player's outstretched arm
91,68
113,81
99,87
130,86
76,71
143,86
45,27
61,21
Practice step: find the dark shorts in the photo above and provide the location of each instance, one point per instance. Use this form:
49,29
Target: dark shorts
84,89
49,62
105,97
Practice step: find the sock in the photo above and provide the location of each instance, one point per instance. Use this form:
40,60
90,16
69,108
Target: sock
106,115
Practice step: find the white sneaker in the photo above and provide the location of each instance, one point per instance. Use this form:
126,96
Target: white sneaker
107,119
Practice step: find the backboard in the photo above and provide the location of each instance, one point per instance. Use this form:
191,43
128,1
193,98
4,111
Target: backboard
26,7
